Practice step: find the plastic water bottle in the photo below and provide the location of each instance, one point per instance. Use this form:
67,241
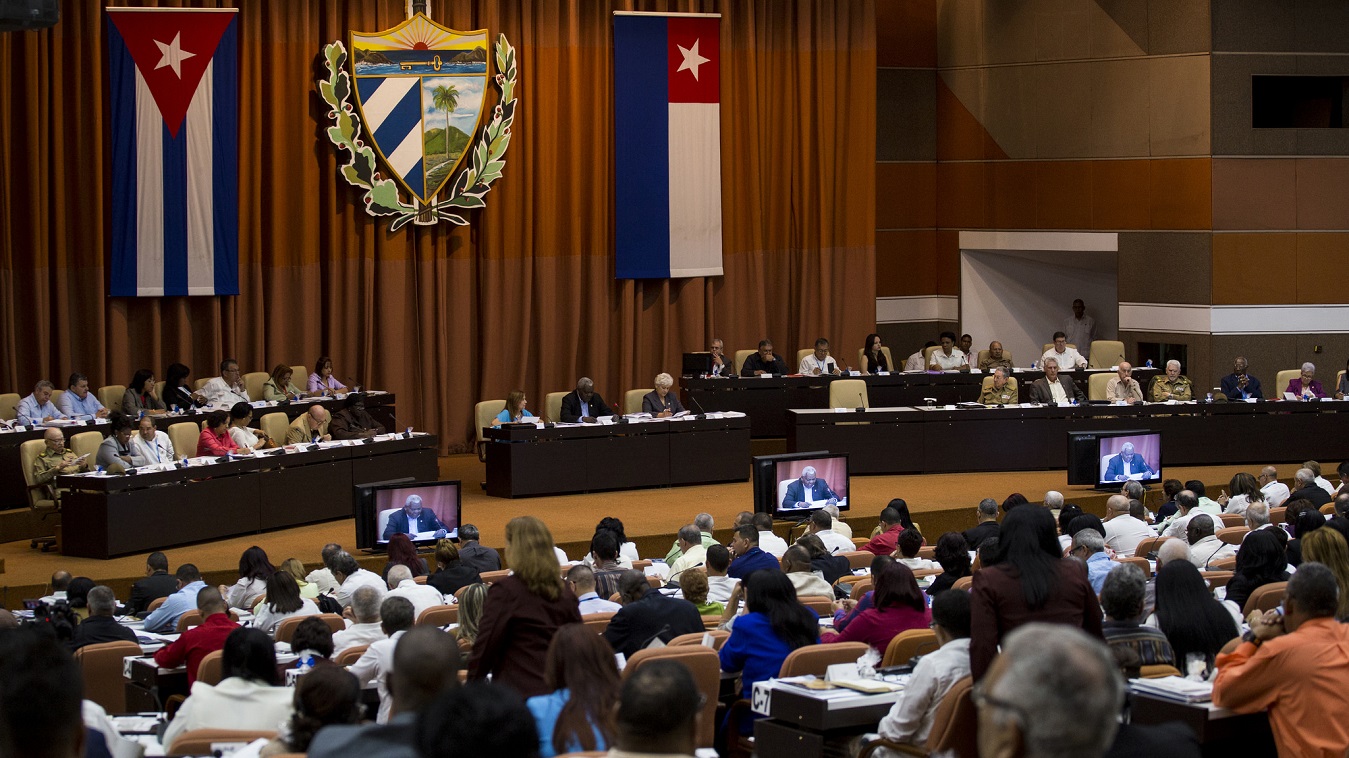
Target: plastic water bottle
409,432
1032,365
1149,363
1209,398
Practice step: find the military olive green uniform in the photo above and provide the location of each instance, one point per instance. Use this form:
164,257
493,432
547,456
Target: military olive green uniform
994,396
1181,389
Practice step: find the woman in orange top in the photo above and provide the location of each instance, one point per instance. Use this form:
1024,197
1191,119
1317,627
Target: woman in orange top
215,438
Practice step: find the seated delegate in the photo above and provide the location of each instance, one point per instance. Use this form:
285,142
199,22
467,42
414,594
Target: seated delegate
660,402
515,410
178,394
78,402
584,404
322,380
141,397
279,386
765,361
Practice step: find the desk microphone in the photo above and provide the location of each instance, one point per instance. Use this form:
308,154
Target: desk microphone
862,403
694,399
670,580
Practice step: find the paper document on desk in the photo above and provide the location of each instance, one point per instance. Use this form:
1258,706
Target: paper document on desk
1174,688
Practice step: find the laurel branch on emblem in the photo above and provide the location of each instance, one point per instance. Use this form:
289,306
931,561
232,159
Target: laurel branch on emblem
381,197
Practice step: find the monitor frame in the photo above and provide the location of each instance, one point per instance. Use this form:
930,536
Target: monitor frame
764,477
364,511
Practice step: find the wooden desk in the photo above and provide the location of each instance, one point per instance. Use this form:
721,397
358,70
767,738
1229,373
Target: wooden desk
1222,733
802,726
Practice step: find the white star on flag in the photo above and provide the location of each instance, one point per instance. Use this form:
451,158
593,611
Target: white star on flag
692,60
175,55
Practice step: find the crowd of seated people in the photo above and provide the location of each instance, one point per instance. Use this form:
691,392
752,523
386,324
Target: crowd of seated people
538,646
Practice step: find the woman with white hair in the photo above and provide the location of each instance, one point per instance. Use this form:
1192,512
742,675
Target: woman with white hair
1305,386
659,402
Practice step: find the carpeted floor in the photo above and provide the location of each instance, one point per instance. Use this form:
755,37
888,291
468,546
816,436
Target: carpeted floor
939,503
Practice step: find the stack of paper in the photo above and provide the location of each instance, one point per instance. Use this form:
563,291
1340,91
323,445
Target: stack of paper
1174,688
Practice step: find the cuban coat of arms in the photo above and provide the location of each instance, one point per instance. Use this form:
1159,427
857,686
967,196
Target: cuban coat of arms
415,100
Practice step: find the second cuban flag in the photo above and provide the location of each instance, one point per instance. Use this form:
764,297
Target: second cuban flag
667,134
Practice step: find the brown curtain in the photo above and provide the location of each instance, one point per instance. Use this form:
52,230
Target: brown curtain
446,316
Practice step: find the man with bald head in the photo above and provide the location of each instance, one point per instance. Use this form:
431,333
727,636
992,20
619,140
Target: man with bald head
1123,531
995,358
413,519
1240,385
584,404
309,427
1127,464
808,490
55,460
1276,492
1123,387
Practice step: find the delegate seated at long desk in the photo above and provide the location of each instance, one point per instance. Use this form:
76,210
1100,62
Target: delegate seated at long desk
413,519
1054,387
765,361
584,404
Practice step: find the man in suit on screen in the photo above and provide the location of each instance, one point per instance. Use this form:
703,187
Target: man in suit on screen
809,484
412,518
1127,464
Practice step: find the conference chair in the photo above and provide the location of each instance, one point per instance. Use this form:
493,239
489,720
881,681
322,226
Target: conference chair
1141,563
276,425
719,637
58,394
1225,564
816,659
1096,384
1281,381
1265,598
9,406
184,436
350,655
439,615
963,583
927,551
253,382
212,668
1149,546
988,382
154,605
927,355
954,728
199,383
597,622
334,621
159,389
552,404
193,618
823,606
1050,346
1276,514
1105,354
983,355
285,631
101,668
858,559
37,500
861,587
1232,535
800,355
483,413
111,396
202,741
632,400
641,564
705,667
711,622
848,393
1216,579
494,576
908,643
1339,377
740,356
889,359
86,443
1236,519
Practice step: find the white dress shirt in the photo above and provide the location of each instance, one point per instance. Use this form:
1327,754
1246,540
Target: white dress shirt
217,392
949,362
1082,332
915,362
1325,484
835,542
243,437
266,619
719,588
842,528
772,544
357,634
361,578
591,602
243,593
694,556
811,366
810,584
422,596
1208,550
375,665
1056,392
323,578
144,453
910,718
1068,360
1275,493
235,703
1124,532
1176,528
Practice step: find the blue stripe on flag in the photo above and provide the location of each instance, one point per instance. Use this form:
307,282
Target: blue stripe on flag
366,86
122,80
404,117
641,148
415,177
175,211
225,161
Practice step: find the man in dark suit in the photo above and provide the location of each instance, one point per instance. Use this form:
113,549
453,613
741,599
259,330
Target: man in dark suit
1041,390
158,582
1126,463
475,554
764,362
100,626
585,404
648,615
1240,385
1306,488
413,518
818,488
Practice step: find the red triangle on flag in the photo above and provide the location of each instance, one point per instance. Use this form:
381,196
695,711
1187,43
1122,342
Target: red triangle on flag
171,50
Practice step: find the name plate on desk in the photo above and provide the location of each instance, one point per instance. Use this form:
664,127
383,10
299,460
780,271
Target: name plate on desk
761,698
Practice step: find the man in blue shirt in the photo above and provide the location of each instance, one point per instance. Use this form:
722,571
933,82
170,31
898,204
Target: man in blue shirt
79,402
38,407
748,556
1089,545
165,617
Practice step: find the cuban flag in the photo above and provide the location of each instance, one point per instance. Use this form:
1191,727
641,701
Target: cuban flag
174,76
667,134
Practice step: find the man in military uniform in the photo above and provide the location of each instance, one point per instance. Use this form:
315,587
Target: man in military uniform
995,358
1173,386
1000,391
54,461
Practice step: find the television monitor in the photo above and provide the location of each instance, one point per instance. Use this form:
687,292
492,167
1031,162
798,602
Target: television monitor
779,488
697,364
1109,458
425,511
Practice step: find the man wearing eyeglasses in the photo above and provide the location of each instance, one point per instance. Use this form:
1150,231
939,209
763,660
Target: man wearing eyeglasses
1276,492
228,388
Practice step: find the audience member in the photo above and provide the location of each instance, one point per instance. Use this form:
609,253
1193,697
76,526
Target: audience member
578,713
312,642
323,697
719,584
254,571
377,662
692,554
473,553
165,617
1089,547
604,561
1133,644
158,582
1067,514
703,521
350,576
1276,492
898,605
283,601
987,526
887,541
953,557
451,571
1188,614
311,426
194,644
774,625
796,565
910,718
1306,488
768,541
581,580
323,576
60,583
1324,546
477,719
1295,666
523,611
363,627
822,526
1187,507
1205,547
1257,517
403,553
749,557
906,551
1260,561
40,696
422,596
1123,530
293,567
647,615
101,625
354,422
831,567
1305,519
1030,581
77,595
846,610
247,697
1170,488
471,602
1243,486
694,589
837,525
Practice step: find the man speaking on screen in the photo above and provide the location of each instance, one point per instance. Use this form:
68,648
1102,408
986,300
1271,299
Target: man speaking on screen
1128,465
809,490
413,519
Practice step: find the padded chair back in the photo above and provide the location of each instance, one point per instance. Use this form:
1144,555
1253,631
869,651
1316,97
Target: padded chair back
963,583
200,741
800,355
983,356
988,382
154,604
1281,381
197,384
111,395
184,436
815,659
494,576
275,425
1276,514
861,587
159,389
1224,564
101,667
253,382
1328,509
740,356
334,622
955,724
9,406
285,631
889,359
1218,579
858,559
553,406
632,400
1096,384
705,667
439,615
192,618
927,355
86,443
1232,519
824,606
1150,545
1141,563
1105,354
28,452
58,394
212,668
350,655
848,393
1232,535
719,637
483,413
597,622
907,644
1265,598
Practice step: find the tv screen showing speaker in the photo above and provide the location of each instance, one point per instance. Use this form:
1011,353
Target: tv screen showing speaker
1109,459
424,511
794,485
